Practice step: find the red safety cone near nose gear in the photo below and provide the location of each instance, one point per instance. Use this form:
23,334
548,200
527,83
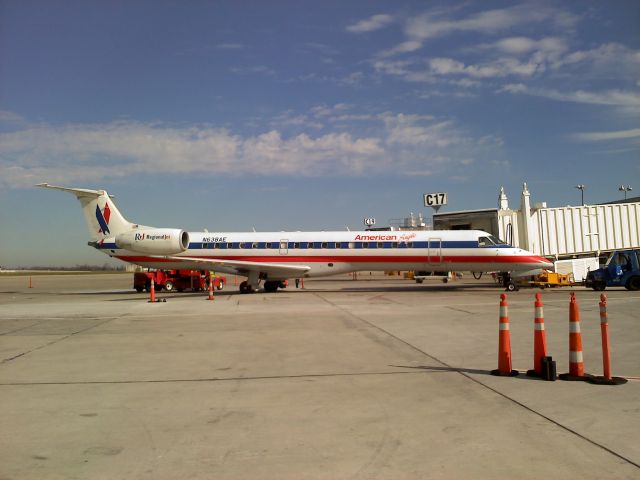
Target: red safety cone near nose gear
504,342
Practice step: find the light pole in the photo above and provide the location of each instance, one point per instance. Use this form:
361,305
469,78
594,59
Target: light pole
581,188
625,189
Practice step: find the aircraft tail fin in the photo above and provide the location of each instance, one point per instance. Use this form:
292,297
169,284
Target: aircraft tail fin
103,218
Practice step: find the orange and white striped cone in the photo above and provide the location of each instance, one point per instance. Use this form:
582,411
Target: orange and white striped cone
576,360
539,339
152,292
504,342
606,378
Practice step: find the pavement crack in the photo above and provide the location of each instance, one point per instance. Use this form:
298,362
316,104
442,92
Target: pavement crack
53,342
213,379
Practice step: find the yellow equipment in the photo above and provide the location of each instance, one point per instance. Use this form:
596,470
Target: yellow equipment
552,279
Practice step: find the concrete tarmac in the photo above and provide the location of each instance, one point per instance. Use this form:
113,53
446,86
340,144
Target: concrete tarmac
378,378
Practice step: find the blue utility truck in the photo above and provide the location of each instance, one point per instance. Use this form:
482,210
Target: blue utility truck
621,270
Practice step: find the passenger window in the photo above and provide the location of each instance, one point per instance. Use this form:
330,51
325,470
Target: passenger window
325,245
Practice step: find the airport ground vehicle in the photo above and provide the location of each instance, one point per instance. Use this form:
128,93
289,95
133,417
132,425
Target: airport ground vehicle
179,280
622,269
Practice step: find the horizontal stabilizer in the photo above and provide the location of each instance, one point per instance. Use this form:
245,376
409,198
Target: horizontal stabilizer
78,192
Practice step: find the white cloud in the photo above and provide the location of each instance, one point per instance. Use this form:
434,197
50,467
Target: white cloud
325,111
120,149
524,45
258,69
395,144
619,98
10,118
436,24
448,67
371,24
608,59
605,136
404,47
230,46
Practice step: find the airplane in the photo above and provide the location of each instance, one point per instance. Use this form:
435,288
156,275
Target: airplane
274,257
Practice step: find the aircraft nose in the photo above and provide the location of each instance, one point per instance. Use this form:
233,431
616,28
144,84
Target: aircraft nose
546,263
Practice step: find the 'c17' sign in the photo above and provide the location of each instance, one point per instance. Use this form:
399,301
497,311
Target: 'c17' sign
435,199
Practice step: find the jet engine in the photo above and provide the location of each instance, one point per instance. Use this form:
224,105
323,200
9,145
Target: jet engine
155,241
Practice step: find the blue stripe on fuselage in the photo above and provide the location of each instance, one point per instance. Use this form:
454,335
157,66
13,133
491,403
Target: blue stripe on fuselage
342,245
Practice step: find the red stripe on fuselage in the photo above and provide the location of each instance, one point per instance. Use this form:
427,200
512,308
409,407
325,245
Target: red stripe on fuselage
529,259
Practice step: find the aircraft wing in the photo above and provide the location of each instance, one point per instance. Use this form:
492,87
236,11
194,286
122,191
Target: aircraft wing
242,267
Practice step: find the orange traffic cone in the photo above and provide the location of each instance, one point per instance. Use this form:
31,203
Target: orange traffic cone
210,288
576,361
539,339
604,330
504,342
606,379
152,291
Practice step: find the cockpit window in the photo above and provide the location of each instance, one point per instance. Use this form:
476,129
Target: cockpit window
484,242
489,241
497,241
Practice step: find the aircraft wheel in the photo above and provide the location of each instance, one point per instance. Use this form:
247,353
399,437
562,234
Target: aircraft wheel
511,287
271,286
245,287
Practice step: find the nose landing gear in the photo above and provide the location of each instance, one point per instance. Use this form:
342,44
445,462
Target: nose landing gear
508,282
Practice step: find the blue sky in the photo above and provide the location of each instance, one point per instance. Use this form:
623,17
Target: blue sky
306,115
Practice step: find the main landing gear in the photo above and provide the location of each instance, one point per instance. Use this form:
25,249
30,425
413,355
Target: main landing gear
269,286
245,287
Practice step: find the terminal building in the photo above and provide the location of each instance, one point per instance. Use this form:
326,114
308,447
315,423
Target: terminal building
560,233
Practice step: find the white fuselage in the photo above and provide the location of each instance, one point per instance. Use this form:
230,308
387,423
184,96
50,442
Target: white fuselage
327,253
